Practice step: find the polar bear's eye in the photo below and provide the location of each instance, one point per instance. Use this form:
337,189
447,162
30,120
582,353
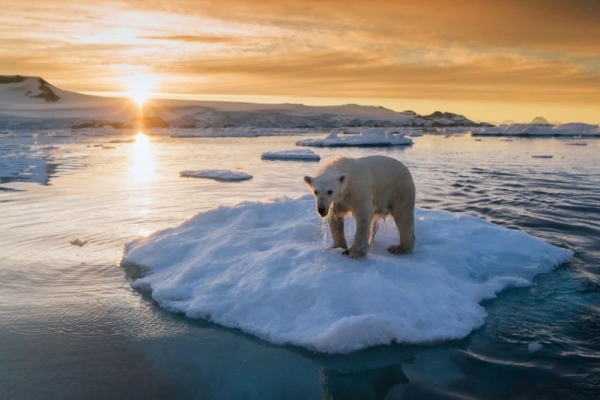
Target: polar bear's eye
316,192
329,191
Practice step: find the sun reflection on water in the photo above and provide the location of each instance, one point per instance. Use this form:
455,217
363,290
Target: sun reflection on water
142,169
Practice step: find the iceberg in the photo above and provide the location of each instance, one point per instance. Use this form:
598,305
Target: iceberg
265,268
374,137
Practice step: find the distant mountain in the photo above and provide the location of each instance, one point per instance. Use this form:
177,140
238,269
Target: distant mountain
441,119
17,89
540,121
33,103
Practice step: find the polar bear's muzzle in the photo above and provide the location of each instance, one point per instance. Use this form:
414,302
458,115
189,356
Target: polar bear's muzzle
322,211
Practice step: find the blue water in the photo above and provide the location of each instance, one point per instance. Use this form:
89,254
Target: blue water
71,327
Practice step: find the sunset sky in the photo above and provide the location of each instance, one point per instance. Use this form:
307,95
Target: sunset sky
489,60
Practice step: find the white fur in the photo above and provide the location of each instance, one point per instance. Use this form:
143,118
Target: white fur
368,188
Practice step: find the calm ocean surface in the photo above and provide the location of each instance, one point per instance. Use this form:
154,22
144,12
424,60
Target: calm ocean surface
71,327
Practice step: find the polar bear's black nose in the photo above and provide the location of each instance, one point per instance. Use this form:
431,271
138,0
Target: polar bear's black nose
322,211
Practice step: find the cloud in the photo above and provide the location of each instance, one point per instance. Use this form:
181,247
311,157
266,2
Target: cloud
367,75
549,25
195,38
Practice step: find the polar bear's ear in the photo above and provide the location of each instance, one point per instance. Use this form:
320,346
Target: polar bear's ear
342,179
308,180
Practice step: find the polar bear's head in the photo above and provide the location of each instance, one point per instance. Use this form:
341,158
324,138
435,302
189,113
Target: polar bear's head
326,188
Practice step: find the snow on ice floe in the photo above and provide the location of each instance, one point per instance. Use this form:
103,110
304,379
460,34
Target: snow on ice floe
266,268
570,129
369,137
217,174
304,155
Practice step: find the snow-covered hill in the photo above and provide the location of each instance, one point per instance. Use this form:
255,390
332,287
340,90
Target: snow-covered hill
33,103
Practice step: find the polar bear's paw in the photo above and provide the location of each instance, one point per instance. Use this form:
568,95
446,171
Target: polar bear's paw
356,253
399,249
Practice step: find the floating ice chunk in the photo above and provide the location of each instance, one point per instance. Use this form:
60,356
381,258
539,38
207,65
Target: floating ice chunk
542,156
576,144
414,134
217,174
306,155
371,137
265,268
534,346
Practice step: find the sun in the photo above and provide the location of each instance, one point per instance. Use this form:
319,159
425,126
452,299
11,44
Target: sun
140,87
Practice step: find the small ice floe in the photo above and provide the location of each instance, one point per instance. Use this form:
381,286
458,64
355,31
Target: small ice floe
576,144
534,346
542,156
478,140
217,174
374,137
58,134
304,155
414,134
122,141
78,242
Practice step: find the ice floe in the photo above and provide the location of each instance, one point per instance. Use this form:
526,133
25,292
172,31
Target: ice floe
370,137
217,174
306,155
576,144
265,268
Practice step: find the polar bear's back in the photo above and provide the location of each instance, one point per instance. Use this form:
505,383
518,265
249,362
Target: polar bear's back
391,179
384,169
387,179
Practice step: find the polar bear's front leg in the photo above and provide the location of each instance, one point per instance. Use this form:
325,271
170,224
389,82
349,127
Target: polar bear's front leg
360,246
336,226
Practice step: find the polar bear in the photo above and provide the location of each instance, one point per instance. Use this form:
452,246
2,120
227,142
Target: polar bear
368,188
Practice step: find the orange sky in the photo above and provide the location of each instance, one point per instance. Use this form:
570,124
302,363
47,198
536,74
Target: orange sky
489,60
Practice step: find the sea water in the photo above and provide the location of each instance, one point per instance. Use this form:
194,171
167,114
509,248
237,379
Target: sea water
72,327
